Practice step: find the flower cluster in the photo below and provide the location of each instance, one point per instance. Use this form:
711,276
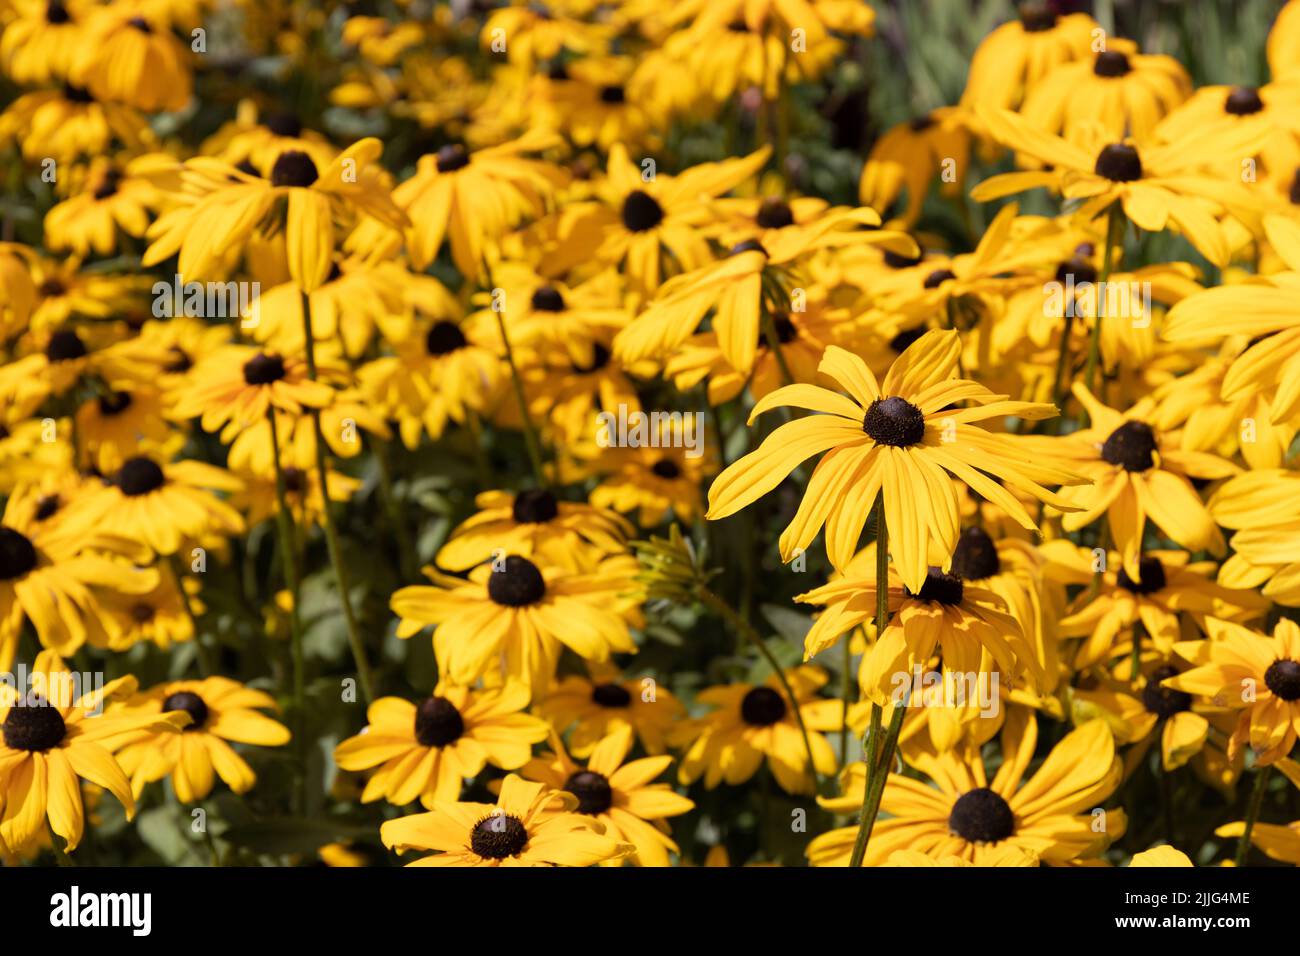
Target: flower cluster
619,434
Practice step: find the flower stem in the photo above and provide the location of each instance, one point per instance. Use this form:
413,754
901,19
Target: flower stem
878,768
200,652
358,646
406,557
746,630
1114,237
1252,813
289,558
530,429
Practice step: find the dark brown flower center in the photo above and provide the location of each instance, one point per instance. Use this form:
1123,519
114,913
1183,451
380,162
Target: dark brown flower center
1150,570
518,583
109,185
1243,101
547,299
641,211
64,346
295,479
666,468
896,260
762,707
287,125
611,695
938,277
940,588
747,245
139,476
56,13
1077,271
498,836
444,338
976,556
534,506
1283,679
1164,701
1111,64
1132,446
600,357
775,213
114,403
263,369
191,703
1119,162
1037,17
17,554
33,725
612,95
981,816
48,506
452,158
294,168
438,722
894,421
592,790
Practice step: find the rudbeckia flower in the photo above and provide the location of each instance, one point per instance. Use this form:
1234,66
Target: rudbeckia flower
53,575
127,56
517,616
1279,842
159,505
428,750
1123,91
1160,856
530,825
66,123
119,424
618,793
1016,55
1170,586
1257,676
220,711
112,202
224,208
238,386
51,739
1264,507
533,522
736,289
968,625
1263,310
641,223
39,44
909,157
898,439
751,723
1158,187
964,814
471,199
1137,472
598,705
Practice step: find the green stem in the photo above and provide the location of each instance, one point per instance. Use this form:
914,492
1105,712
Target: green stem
746,630
530,429
1252,813
1114,237
355,641
200,652
289,559
406,557
846,688
878,769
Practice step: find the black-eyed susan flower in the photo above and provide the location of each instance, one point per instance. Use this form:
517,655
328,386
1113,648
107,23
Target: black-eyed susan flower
1138,473
1054,814
1016,55
160,505
596,706
221,711
427,750
753,723
1263,507
619,793
238,386
224,208
897,439
1258,676
514,615
530,825
52,737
